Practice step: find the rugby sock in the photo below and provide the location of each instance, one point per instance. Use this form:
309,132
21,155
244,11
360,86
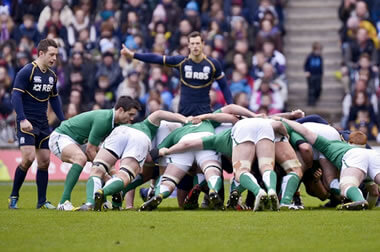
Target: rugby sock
334,187
42,178
236,186
71,180
164,191
139,180
289,186
248,181
94,183
199,179
18,181
270,180
112,186
353,193
215,183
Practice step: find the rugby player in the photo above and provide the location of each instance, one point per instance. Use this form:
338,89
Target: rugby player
353,162
130,144
88,129
34,87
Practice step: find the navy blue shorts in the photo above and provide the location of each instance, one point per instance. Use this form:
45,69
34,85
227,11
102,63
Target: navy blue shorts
38,137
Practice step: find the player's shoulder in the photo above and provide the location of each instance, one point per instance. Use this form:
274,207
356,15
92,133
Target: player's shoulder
213,61
27,68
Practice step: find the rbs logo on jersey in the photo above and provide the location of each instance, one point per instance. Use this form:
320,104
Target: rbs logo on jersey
196,75
42,87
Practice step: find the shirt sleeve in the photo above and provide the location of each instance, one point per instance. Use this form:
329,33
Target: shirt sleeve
22,80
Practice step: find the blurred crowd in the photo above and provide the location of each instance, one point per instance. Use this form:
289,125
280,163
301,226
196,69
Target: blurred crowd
359,73
245,36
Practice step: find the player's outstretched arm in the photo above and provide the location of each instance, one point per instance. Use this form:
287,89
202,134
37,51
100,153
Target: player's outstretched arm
235,109
310,136
295,114
183,146
55,102
218,117
157,116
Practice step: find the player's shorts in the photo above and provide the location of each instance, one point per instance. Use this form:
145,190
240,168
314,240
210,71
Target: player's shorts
38,137
252,130
126,142
366,160
185,160
58,142
324,130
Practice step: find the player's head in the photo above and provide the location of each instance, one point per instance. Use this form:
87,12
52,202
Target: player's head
357,138
47,51
195,43
126,109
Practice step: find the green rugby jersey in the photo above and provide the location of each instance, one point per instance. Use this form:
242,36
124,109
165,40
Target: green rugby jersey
221,142
92,126
146,127
177,134
333,150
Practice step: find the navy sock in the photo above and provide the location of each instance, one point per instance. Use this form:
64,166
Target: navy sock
18,181
42,178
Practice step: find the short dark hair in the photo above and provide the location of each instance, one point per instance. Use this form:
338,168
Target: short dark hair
127,103
195,34
44,45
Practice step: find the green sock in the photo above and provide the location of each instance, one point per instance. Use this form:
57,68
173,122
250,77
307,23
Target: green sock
289,187
199,179
162,190
215,183
236,186
71,180
139,180
248,181
270,180
113,186
94,183
353,193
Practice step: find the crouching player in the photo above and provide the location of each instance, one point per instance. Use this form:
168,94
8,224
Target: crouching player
354,164
130,144
87,129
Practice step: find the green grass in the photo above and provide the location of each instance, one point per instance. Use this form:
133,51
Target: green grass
172,229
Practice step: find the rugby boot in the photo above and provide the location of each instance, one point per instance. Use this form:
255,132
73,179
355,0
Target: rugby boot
99,200
233,201
274,204
260,201
191,200
357,205
46,205
117,201
66,206
284,207
216,202
297,200
151,204
84,207
12,202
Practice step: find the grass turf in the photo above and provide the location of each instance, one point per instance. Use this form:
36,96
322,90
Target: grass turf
172,229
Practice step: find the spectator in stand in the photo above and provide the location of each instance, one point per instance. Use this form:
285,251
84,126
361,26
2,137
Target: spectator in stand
22,8
274,57
139,7
242,47
258,61
5,79
241,99
265,5
29,29
265,96
109,12
110,68
215,102
313,68
179,37
71,110
268,32
239,84
191,13
364,124
240,31
360,103
7,119
79,23
6,24
365,70
346,9
131,86
8,58
361,44
173,14
101,100
58,7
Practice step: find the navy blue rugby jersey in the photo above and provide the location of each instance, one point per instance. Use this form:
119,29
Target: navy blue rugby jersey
196,77
37,87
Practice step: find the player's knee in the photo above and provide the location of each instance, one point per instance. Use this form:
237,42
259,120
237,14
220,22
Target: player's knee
99,168
169,181
266,163
128,173
212,169
292,165
43,164
79,158
347,182
27,160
